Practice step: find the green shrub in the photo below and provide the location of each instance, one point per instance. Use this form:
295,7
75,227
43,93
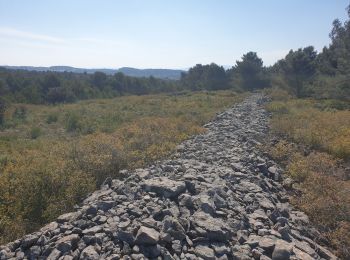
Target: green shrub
52,118
278,94
277,107
72,122
20,113
333,104
3,161
35,132
2,111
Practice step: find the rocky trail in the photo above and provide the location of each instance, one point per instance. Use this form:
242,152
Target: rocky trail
218,197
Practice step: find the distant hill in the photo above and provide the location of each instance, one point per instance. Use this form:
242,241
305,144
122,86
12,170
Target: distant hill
157,73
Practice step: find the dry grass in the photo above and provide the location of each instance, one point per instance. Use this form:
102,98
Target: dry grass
320,175
53,156
303,122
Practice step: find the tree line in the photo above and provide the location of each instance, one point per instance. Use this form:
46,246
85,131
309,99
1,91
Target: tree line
36,87
302,72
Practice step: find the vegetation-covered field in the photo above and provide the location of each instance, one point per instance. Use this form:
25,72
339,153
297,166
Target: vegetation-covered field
315,149
53,156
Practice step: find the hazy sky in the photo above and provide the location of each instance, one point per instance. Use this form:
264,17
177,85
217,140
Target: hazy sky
159,33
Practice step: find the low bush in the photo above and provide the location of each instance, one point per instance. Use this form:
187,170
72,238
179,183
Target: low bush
278,93
52,118
301,167
2,111
20,113
282,151
72,122
99,155
35,132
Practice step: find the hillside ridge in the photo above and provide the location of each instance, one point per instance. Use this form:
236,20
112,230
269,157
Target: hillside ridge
217,197
173,74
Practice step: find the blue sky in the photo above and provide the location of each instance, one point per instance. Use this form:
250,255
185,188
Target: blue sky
159,33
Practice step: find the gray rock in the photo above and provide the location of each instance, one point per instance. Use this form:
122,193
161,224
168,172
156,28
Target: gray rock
186,200
284,231
29,240
150,251
126,235
241,252
35,252
164,187
4,254
204,252
266,204
220,248
257,253
242,236
89,253
305,247
176,246
325,253
168,168
172,226
49,227
54,255
105,205
137,256
253,240
215,228
205,203
91,210
219,202
167,256
246,186
282,250
288,183
267,244
92,230
301,255
147,236
68,217
67,243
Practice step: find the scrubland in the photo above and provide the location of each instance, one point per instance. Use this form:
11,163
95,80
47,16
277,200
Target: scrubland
314,147
51,157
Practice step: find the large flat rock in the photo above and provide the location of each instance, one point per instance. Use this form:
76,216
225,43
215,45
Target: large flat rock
164,187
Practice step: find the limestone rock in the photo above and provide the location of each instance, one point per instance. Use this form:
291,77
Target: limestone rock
164,187
89,253
147,236
205,252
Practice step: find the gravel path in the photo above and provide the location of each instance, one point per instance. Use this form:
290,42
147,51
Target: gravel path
217,197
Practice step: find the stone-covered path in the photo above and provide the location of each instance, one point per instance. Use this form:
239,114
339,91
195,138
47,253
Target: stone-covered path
217,197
